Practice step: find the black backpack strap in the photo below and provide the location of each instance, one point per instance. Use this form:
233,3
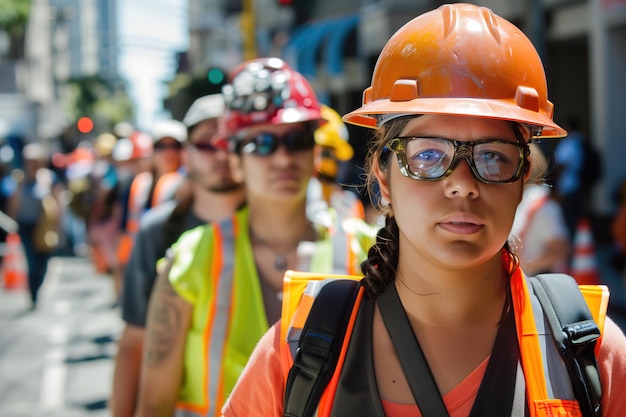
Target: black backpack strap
320,346
575,334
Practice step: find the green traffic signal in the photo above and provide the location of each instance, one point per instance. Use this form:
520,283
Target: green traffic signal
215,76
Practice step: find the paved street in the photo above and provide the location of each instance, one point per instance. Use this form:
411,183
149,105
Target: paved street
57,361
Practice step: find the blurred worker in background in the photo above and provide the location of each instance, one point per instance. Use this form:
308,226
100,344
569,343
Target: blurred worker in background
539,231
152,187
331,153
214,196
222,285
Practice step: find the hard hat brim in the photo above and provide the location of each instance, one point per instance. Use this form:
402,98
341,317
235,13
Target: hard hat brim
366,116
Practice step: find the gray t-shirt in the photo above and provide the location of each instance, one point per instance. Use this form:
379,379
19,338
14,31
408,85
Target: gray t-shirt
148,248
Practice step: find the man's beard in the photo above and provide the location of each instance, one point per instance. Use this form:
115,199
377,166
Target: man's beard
225,188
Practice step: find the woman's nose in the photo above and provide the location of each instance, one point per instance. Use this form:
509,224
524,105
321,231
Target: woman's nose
461,182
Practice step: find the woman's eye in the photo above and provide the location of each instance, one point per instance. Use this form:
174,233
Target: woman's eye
491,156
427,155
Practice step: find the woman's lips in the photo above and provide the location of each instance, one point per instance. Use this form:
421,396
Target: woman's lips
461,228
461,224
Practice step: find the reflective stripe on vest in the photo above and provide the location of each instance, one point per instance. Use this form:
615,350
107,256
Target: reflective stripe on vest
216,331
228,328
137,202
548,385
548,389
166,187
139,190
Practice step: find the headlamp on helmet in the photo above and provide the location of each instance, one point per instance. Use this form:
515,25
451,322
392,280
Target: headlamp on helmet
267,90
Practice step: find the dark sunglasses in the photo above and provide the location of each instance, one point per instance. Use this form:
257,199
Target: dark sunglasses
160,146
430,159
266,143
221,145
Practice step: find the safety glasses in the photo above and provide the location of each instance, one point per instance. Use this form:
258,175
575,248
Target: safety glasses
161,146
430,159
211,147
266,143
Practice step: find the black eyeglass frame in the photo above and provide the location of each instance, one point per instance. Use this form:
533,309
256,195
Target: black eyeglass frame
463,150
208,147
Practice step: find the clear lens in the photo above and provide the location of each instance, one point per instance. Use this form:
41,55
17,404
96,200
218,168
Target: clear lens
434,158
429,158
497,161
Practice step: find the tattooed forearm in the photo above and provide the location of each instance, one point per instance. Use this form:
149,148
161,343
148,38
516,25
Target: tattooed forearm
164,322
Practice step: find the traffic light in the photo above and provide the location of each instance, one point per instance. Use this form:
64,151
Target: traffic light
216,76
84,125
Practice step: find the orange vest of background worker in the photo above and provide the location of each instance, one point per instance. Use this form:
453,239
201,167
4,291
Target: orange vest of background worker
151,188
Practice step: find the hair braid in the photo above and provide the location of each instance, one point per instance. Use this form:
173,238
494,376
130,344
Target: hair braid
380,266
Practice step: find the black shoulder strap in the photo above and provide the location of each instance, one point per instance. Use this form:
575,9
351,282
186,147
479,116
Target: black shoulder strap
575,334
319,347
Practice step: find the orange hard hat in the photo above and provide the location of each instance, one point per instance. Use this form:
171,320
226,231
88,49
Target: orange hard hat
459,59
80,154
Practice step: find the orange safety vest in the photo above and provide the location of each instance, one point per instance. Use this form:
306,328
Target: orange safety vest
299,294
137,204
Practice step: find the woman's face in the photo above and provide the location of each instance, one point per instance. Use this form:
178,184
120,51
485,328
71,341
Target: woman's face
456,221
279,173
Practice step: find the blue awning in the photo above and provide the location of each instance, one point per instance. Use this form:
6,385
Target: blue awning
334,55
304,43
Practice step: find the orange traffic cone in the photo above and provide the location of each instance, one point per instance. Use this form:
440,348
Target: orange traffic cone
14,263
584,268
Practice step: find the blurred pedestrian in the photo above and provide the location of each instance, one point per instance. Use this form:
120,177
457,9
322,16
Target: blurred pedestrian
539,232
79,166
35,207
570,189
214,196
102,220
222,285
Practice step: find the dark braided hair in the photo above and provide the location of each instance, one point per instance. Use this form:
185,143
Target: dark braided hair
379,268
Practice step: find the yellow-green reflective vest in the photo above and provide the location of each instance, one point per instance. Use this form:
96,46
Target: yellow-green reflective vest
214,270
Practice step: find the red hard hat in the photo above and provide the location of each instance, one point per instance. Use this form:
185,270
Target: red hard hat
267,90
459,59
142,145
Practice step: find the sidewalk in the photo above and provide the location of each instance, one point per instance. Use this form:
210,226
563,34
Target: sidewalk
57,361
